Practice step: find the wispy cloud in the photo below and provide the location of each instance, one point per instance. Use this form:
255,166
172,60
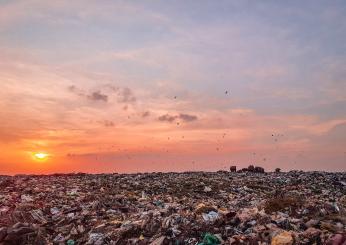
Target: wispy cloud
187,117
98,96
108,123
145,114
125,95
181,116
167,118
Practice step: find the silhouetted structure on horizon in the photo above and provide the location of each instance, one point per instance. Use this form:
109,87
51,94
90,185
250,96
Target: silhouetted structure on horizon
251,168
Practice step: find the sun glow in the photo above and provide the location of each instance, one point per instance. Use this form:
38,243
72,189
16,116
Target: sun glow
41,156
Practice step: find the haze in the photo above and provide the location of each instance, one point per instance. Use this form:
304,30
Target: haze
136,86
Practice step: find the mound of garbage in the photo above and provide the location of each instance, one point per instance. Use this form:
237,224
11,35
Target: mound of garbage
246,207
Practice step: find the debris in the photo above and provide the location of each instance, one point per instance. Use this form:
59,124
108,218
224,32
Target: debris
54,211
4,210
70,242
3,233
284,238
211,216
282,204
26,198
158,241
59,238
96,238
210,239
244,207
337,239
203,208
311,223
253,169
259,169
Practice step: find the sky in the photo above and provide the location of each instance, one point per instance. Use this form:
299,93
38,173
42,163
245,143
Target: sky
142,86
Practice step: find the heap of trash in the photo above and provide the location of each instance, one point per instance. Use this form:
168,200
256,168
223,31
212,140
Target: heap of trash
205,208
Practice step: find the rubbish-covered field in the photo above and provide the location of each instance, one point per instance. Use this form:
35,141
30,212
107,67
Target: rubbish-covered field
174,208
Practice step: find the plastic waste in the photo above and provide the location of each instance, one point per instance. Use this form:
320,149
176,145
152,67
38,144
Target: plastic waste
210,239
70,242
211,216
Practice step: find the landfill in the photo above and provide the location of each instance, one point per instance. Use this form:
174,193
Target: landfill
199,208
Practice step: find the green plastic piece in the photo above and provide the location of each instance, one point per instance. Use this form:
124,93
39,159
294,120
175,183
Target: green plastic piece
209,239
70,242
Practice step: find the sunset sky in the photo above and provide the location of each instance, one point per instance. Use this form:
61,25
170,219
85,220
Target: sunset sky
135,86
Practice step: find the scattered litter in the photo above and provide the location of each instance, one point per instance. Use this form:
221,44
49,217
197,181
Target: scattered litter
211,216
54,211
210,239
26,198
207,208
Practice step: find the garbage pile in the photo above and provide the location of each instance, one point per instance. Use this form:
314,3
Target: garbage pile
174,208
252,168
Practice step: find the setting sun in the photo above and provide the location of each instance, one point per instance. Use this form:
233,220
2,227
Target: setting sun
41,156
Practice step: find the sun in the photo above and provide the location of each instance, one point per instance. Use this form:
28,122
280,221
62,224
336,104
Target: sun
41,156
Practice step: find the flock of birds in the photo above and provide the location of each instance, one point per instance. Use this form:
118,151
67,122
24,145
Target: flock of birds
126,154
